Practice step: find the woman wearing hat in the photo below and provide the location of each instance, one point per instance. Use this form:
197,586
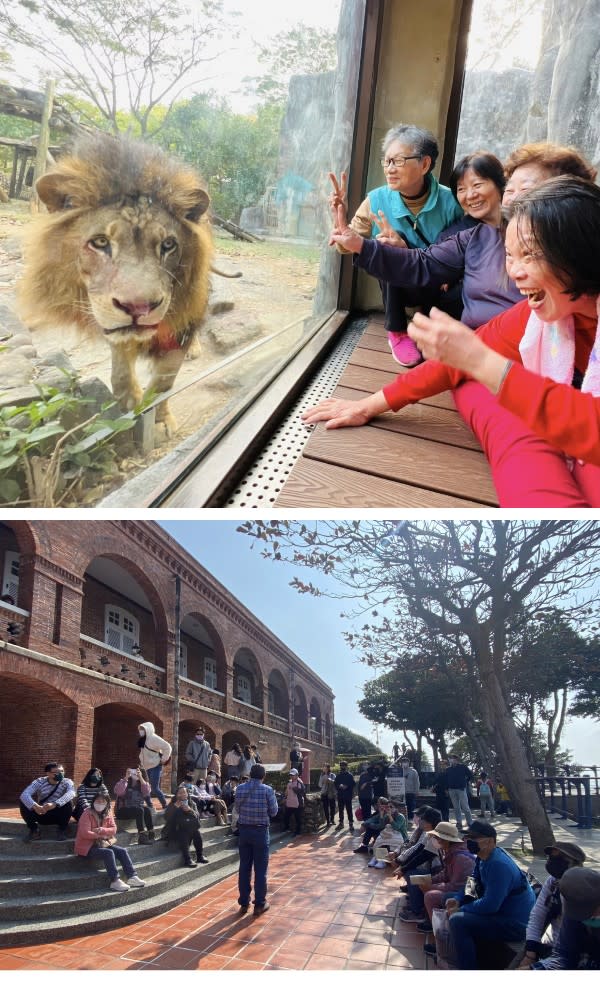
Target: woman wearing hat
578,944
546,917
458,864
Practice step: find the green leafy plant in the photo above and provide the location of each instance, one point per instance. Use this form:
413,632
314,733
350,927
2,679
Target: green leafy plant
46,456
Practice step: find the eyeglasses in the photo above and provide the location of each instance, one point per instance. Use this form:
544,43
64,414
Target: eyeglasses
387,162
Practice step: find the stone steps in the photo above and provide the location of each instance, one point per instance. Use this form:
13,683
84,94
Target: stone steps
48,893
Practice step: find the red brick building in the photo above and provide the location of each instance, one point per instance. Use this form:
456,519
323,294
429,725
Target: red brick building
88,641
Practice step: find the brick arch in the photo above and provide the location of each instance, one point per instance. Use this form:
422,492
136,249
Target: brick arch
300,706
37,723
281,700
217,643
115,736
152,593
21,537
187,728
246,663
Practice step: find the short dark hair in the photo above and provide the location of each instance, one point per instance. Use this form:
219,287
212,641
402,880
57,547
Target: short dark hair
563,215
257,771
484,164
432,816
50,767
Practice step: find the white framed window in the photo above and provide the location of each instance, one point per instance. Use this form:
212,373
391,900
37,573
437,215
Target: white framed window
121,629
243,690
210,673
10,576
183,659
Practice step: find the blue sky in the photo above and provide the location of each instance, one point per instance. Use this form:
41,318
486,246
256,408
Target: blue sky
310,626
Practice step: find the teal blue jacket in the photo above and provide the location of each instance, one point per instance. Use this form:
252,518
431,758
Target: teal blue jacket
439,211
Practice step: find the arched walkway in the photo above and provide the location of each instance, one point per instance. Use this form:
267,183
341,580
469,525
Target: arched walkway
247,678
37,725
122,609
115,739
202,652
300,707
279,704
187,729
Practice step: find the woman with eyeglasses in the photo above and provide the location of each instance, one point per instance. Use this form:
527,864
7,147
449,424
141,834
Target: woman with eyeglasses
536,407
409,210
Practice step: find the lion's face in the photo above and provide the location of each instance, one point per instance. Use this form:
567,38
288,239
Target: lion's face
128,262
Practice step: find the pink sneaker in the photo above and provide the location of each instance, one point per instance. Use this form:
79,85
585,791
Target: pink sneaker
404,350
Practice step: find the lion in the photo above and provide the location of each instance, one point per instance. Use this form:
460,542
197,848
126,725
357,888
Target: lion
124,251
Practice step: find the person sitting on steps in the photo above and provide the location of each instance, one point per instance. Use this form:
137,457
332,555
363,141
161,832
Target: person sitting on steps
131,792
48,801
182,825
96,839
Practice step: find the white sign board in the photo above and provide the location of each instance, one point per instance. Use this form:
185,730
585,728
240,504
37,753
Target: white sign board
395,788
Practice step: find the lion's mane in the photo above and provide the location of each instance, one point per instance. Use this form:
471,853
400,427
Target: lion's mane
101,171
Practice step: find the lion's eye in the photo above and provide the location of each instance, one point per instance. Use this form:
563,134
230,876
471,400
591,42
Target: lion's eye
101,242
168,245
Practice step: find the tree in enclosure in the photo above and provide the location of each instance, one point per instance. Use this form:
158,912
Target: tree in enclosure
138,54
466,587
302,50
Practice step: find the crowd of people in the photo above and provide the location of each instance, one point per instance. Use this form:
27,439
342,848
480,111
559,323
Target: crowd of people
53,800
502,266
478,907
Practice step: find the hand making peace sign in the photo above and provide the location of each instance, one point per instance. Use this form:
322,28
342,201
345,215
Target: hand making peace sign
387,235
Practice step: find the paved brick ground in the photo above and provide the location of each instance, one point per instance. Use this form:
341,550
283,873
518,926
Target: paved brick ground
328,911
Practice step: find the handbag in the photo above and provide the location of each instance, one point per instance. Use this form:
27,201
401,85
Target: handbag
106,843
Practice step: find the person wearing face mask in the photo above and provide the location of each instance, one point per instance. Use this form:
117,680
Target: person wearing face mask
578,943
545,918
154,754
130,792
96,839
92,783
197,755
182,825
48,801
497,901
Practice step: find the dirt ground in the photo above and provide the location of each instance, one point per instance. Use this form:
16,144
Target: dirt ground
276,290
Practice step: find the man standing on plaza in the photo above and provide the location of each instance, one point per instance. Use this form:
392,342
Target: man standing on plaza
197,755
457,781
411,785
257,805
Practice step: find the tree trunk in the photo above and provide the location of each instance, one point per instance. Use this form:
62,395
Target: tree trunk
515,768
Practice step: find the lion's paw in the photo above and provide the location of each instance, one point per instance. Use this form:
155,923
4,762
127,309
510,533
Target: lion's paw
195,349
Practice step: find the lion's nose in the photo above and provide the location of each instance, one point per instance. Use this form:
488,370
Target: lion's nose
136,310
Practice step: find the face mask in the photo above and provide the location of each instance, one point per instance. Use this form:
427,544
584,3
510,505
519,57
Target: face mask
473,846
556,866
98,807
94,782
58,775
592,922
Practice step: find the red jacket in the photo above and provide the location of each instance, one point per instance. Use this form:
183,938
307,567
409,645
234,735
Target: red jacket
87,828
561,415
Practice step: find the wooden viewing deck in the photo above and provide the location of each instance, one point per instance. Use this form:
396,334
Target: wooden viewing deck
421,457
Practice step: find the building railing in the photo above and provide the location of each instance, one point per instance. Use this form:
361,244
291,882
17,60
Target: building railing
278,723
201,695
12,622
113,663
301,731
244,710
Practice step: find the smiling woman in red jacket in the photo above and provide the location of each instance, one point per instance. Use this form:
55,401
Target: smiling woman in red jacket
536,411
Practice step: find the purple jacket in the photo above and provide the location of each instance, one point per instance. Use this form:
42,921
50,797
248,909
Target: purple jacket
476,256
458,865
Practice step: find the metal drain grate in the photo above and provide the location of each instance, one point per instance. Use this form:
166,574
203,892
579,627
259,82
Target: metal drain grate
263,482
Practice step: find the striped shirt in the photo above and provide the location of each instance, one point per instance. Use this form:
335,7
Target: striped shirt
86,794
256,803
54,794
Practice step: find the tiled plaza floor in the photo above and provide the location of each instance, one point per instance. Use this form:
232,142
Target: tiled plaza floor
328,911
